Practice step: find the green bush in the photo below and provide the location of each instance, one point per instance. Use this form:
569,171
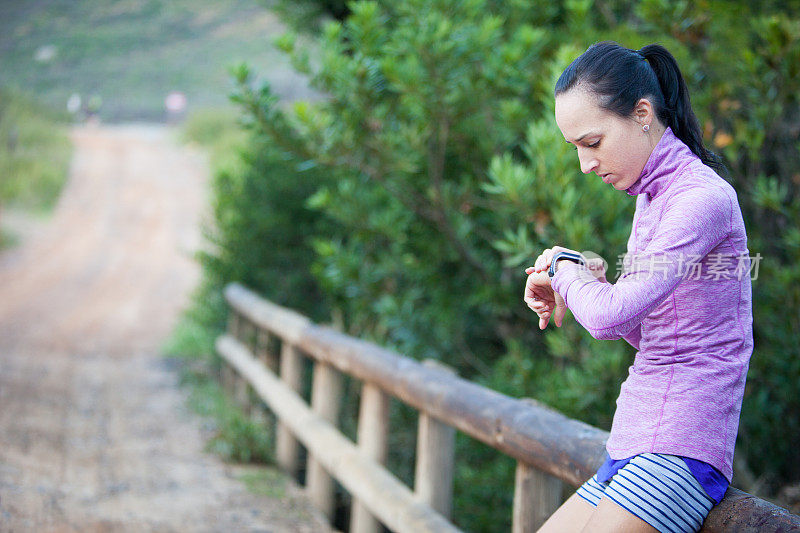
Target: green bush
235,436
262,229
35,151
446,175
409,92
259,237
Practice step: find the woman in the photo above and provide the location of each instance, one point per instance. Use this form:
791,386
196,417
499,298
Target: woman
683,300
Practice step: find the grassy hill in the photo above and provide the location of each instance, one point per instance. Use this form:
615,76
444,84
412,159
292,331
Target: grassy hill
132,53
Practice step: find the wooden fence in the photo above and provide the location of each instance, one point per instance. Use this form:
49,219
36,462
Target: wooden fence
550,449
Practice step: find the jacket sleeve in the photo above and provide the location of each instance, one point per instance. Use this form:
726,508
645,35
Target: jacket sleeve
693,221
634,336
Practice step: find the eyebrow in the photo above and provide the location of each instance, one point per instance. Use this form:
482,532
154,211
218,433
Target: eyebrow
579,139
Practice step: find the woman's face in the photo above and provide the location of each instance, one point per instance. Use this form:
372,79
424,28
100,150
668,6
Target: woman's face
613,147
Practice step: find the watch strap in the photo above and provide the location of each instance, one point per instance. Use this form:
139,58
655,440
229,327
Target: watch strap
569,256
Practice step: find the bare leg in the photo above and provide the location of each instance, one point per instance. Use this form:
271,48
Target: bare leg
571,516
612,518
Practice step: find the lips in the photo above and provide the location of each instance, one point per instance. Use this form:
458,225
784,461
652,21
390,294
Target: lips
606,178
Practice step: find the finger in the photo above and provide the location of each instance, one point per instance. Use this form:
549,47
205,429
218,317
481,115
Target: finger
538,307
543,260
550,253
534,300
558,315
595,266
530,270
530,292
529,288
547,255
560,310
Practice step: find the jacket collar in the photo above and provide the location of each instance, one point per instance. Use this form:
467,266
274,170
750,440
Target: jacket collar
669,155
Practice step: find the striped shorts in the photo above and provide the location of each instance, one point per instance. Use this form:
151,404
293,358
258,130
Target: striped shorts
659,489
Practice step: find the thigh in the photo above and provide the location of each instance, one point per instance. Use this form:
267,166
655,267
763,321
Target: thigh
610,517
605,515
657,490
571,516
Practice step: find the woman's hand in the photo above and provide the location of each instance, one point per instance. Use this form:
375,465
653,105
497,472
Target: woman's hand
596,265
542,299
542,262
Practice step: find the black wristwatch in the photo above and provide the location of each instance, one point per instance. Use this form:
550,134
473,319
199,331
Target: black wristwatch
569,256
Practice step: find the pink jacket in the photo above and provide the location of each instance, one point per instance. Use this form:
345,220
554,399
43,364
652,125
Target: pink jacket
684,302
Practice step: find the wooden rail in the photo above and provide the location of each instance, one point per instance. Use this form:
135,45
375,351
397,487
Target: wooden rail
549,448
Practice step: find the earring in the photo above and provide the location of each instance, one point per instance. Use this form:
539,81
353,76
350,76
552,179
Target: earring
646,128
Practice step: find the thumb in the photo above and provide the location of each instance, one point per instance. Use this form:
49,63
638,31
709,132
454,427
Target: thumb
560,310
597,266
543,322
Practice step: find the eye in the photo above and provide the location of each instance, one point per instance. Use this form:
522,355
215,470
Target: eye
593,145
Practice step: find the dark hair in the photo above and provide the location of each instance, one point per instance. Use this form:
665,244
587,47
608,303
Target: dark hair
620,77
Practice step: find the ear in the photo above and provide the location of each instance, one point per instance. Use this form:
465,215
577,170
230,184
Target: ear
644,112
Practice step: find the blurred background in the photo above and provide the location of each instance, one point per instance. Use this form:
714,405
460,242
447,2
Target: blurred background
391,167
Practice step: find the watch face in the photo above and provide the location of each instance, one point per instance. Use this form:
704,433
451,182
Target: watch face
552,270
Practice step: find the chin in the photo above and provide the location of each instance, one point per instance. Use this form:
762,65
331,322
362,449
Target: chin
622,185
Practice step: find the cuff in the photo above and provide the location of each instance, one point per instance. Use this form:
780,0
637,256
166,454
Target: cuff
568,273
565,273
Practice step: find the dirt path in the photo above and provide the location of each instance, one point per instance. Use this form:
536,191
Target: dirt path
94,432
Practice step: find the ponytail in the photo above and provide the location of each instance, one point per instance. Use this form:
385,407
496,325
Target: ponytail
620,77
676,111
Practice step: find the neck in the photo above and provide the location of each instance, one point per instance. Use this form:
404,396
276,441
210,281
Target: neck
667,156
654,135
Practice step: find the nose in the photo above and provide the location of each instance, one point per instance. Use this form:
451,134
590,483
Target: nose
588,161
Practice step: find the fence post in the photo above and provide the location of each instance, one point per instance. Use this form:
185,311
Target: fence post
373,430
264,351
234,323
326,401
227,374
287,449
246,330
433,478
259,412
536,496
227,378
